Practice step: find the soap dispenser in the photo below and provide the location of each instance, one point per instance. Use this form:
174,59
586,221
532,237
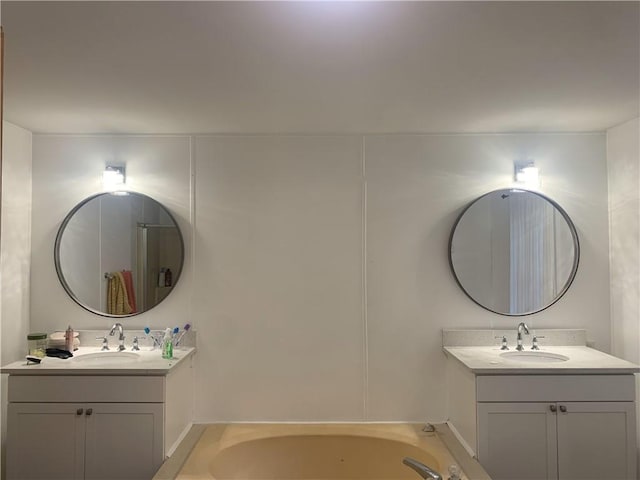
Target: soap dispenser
68,339
167,344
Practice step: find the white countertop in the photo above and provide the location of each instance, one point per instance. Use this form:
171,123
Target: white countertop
149,362
582,360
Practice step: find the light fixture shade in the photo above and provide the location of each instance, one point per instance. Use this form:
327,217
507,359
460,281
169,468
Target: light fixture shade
113,178
527,175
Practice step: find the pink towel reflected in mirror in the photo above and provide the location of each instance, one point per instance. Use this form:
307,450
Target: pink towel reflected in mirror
128,285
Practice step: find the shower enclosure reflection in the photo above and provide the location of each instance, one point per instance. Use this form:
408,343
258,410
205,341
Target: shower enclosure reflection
159,247
119,254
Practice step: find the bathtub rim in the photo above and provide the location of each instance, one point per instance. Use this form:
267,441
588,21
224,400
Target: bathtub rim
173,464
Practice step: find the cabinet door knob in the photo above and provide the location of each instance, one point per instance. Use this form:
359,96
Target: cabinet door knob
553,408
79,411
563,409
89,411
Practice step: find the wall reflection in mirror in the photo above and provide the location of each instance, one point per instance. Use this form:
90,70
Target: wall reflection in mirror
119,254
514,252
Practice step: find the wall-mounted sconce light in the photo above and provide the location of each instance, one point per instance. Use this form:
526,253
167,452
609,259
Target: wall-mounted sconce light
526,174
113,178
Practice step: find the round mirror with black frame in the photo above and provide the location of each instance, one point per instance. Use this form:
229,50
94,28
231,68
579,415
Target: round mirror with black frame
514,252
119,254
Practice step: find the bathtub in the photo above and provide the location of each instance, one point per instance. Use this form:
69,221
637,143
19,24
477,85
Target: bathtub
314,451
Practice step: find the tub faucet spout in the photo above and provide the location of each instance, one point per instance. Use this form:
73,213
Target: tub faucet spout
422,470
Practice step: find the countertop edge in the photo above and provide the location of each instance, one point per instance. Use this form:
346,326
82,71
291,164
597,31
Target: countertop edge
33,370
555,371
544,370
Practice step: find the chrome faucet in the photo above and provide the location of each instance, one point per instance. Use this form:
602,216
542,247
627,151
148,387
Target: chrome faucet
422,470
118,326
521,326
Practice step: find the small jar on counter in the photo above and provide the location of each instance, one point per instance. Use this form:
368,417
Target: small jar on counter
37,344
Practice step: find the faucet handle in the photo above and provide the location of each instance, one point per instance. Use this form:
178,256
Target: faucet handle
504,342
534,342
105,343
135,346
454,472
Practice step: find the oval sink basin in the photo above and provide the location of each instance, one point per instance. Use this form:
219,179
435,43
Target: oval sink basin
534,357
107,358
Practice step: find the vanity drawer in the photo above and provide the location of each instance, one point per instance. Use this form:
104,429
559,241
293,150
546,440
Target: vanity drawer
76,388
549,388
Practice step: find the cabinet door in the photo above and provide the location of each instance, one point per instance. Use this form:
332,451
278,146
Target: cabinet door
517,441
596,440
124,441
45,441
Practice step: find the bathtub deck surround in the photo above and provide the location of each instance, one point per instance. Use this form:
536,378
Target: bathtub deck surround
563,411
134,407
353,451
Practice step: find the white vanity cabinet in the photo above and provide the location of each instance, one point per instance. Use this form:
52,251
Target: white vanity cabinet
95,426
78,441
547,426
564,440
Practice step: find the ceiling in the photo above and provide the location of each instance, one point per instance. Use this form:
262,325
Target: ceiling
320,67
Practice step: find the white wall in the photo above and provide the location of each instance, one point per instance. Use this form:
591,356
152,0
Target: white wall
416,187
14,251
16,241
317,272
80,255
67,169
279,278
623,163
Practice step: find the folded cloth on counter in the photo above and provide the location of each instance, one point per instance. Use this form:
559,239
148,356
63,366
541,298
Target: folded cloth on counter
117,298
59,353
57,340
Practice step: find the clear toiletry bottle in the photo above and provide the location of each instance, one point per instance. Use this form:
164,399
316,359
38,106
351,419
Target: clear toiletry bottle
68,339
161,277
167,344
